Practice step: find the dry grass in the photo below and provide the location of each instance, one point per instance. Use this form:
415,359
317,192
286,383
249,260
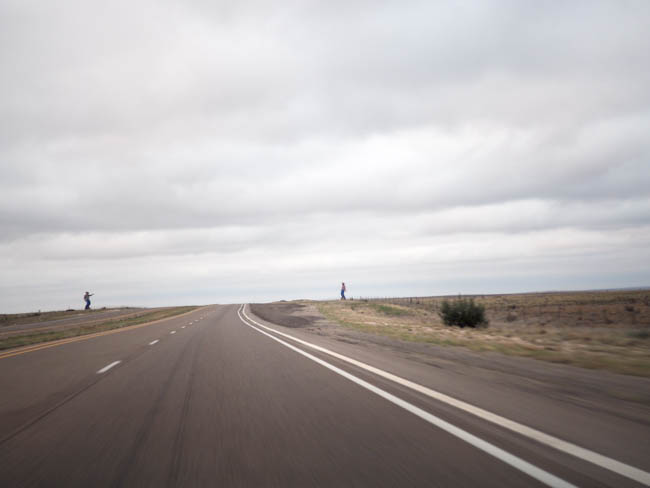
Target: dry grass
605,330
38,317
37,337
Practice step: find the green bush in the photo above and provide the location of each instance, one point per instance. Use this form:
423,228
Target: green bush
463,313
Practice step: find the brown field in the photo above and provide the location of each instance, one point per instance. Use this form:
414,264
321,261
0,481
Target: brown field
600,329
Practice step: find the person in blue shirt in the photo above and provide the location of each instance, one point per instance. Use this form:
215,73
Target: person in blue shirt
87,299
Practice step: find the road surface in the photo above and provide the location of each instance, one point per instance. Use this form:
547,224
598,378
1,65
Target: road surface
212,398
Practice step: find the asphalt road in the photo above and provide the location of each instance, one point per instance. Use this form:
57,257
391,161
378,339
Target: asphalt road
206,400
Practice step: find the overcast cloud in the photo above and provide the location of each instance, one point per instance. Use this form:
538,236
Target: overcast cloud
160,153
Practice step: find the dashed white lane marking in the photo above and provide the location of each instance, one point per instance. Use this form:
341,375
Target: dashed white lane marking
106,368
182,327
153,342
173,332
514,461
618,467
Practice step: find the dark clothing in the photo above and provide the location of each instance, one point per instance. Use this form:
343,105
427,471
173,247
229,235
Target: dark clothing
87,299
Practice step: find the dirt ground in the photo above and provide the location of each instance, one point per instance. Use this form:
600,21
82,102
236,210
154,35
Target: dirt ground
288,314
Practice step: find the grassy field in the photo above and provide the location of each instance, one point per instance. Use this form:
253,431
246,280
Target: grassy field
29,338
604,329
38,317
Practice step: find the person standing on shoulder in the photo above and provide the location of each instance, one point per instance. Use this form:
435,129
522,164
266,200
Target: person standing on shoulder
342,291
87,299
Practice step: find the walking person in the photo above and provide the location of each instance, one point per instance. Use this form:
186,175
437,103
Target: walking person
342,291
87,299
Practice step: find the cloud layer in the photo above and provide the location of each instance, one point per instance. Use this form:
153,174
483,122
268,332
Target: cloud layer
199,152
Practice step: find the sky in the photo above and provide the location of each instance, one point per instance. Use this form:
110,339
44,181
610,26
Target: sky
162,153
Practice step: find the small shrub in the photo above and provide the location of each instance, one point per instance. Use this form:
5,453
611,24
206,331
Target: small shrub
463,313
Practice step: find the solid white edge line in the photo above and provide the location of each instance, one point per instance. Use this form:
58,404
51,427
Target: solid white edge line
514,461
153,342
106,368
618,467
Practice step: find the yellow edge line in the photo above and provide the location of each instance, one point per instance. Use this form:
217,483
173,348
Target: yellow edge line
85,337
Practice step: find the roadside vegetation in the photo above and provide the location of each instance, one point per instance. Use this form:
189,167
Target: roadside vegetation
601,330
463,313
37,317
29,338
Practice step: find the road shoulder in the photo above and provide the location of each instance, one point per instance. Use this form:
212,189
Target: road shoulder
603,411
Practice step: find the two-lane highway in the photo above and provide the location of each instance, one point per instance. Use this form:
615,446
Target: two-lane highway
212,399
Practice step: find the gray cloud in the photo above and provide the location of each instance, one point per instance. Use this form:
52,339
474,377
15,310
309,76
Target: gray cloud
201,132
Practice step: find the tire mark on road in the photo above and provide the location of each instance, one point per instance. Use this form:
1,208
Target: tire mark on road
180,431
129,459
